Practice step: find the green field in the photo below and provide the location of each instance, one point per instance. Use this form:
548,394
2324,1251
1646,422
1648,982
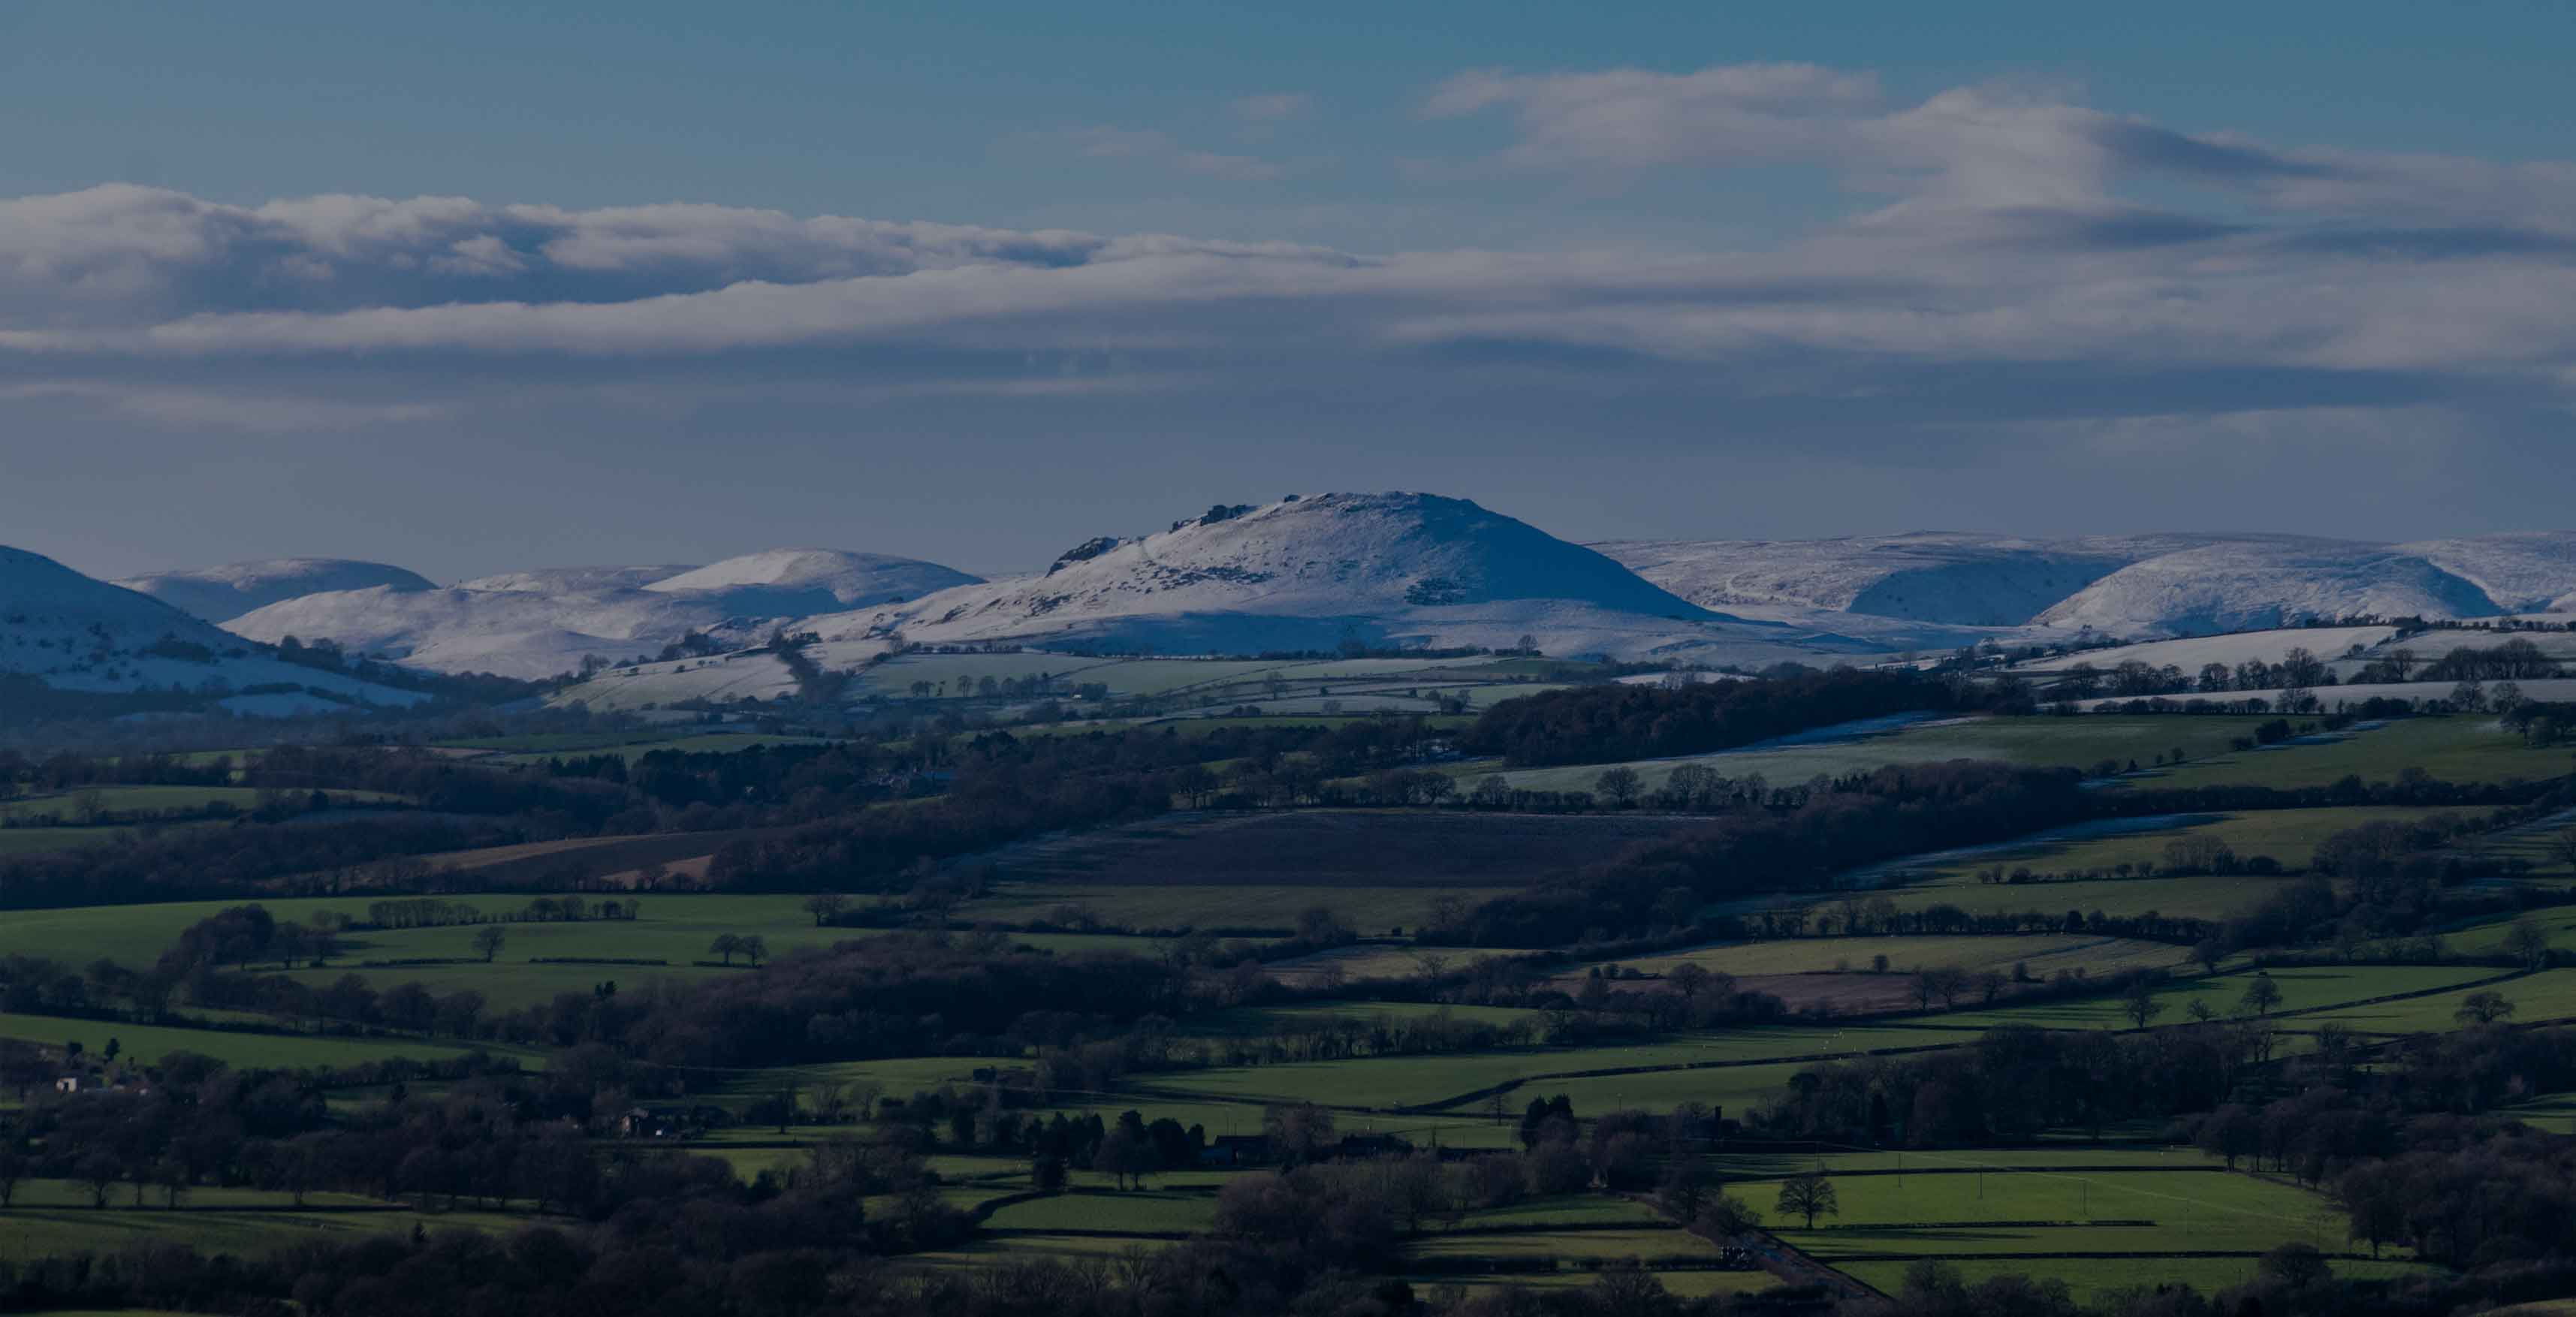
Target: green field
721,743
1692,1284
1216,905
28,1232
1248,1020
2463,748
2043,952
2287,835
1412,1081
2302,989
2555,1113
149,800
1886,1221
674,927
1145,1211
2547,995
46,841
2039,742
2207,896
2091,1278
147,1043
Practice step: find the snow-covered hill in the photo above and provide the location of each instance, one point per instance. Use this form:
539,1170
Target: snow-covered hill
76,633
1306,573
510,633
2249,586
550,580
801,582
2528,572
2128,585
542,622
220,594
1949,577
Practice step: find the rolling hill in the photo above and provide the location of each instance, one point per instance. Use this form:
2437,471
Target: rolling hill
1311,573
74,633
2134,585
546,621
220,594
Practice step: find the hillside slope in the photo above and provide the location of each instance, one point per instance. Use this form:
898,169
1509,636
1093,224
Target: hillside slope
510,633
548,580
1309,573
1950,577
800,582
74,633
2240,587
2525,572
538,623
220,594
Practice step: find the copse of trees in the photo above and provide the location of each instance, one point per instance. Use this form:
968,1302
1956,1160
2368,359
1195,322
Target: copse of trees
1594,724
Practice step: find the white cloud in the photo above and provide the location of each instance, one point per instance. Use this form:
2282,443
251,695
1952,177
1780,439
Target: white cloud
186,408
1271,107
2008,231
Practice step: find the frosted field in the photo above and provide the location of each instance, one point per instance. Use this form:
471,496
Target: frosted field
2191,654
759,676
2547,688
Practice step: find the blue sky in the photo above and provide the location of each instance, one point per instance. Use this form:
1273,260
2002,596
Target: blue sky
478,286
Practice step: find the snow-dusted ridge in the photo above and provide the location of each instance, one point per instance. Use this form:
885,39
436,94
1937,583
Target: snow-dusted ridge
2133,586
1413,569
1306,573
75,633
220,594
538,623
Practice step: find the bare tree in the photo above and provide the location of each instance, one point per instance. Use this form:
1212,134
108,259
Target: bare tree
1808,1195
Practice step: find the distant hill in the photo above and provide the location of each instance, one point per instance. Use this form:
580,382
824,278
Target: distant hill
1309,573
2239,587
220,594
799,582
555,580
1393,570
538,623
74,633
2138,585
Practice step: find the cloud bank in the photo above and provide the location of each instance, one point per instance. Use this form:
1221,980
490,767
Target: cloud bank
2011,270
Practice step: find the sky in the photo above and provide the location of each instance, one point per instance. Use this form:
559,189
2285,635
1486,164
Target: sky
477,286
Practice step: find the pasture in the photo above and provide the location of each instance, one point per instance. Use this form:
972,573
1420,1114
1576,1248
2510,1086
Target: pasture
146,1044
1246,905
2547,995
2038,742
2302,989
59,1220
1336,848
2287,835
79,808
1837,955
2141,1217
2457,748
2191,653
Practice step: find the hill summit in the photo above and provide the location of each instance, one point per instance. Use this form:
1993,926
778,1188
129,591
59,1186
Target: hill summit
1313,572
